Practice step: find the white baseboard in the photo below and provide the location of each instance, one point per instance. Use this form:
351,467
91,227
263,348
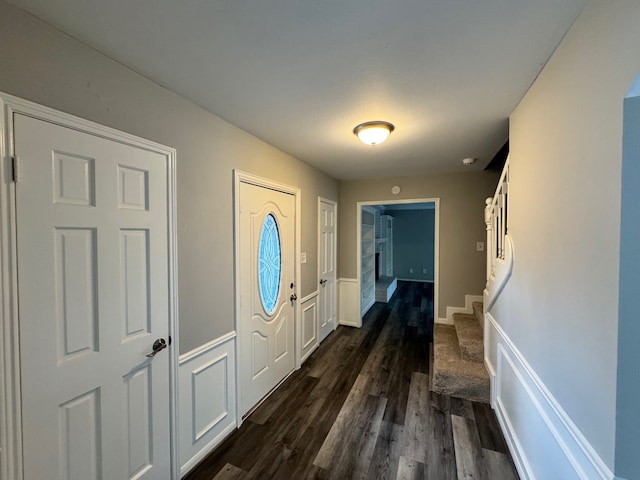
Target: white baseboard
349,302
206,449
543,440
468,308
350,324
419,280
207,403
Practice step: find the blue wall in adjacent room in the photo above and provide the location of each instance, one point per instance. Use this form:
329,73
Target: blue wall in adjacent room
413,244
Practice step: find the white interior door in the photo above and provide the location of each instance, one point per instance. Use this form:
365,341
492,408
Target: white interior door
93,290
266,270
327,214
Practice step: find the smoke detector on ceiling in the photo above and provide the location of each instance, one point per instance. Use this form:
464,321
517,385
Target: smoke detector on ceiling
469,161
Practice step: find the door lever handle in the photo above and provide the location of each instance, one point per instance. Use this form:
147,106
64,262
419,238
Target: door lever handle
323,281
158,345
293,297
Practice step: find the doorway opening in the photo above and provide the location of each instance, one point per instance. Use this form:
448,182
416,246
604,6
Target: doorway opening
397,241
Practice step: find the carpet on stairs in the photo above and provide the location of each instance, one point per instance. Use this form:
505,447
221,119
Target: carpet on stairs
458,358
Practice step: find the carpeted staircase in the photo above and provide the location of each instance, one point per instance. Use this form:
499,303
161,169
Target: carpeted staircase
458,357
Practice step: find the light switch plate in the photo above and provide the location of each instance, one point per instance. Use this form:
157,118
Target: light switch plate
479,246
303,257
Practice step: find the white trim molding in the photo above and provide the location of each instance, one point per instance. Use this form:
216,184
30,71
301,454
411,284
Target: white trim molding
543,440
468,308
196,352
309,325
436,249
207,387
349,302
11,454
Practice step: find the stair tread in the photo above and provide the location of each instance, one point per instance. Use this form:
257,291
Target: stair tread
452,374
478,311
470,337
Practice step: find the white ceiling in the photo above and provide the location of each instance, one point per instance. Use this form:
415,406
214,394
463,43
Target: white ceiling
300,74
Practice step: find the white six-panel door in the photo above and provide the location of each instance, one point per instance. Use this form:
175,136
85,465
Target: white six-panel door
327,216
266,341
93,290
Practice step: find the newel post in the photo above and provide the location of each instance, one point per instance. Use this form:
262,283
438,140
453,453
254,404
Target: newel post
488,220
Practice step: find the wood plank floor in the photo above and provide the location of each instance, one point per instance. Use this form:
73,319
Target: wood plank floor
360,408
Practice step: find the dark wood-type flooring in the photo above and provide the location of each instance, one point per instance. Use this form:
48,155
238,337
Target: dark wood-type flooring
360,408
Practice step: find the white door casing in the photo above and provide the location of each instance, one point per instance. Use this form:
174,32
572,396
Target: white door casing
436,284
386,256
93,296
327,244
266,332
94,251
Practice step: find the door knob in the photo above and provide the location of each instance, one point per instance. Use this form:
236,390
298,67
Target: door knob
293,297
322,281
158,345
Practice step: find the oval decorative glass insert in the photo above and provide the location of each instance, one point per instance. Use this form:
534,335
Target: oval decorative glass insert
269,264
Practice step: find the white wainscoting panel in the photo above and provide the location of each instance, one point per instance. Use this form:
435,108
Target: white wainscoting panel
309,325
349,302
207,405
491,356
543,440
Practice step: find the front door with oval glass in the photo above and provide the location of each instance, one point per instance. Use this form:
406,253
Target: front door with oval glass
266,296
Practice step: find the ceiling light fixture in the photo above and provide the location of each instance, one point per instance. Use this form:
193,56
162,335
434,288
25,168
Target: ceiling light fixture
373,133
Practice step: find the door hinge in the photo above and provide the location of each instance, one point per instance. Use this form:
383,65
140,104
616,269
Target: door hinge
15,167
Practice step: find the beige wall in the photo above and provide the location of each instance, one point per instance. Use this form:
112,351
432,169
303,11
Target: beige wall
462,196
560,307
41,64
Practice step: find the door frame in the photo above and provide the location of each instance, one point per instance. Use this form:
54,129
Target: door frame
436,244
239,177
10,394
335,256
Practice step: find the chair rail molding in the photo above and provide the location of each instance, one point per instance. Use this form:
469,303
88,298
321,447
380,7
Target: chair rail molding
543,440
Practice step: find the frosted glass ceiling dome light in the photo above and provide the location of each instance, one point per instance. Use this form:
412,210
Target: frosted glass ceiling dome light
373,133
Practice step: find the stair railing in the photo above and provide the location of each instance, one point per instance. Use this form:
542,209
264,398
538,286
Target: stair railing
499,244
